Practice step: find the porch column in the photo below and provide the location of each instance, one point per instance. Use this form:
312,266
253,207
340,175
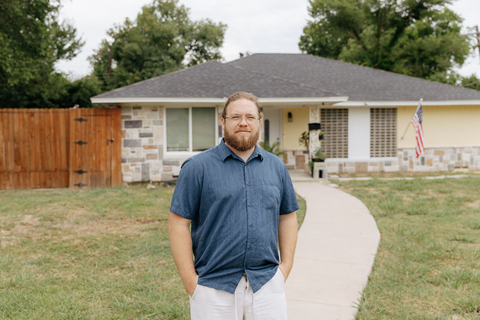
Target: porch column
314,118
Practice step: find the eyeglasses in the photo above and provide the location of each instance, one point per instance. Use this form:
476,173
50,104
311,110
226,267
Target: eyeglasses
238,119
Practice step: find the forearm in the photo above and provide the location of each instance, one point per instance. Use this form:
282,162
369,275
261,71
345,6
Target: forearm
287,240
181,246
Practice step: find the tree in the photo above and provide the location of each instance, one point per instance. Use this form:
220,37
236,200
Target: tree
453,78
65,93
471,82
31,41
414,37
159,41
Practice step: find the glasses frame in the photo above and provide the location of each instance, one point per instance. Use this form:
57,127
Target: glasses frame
243,117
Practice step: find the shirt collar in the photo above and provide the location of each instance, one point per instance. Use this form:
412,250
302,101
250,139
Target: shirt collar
225,152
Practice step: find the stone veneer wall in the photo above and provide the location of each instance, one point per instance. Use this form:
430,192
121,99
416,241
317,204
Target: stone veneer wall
434,159
439,159
142,146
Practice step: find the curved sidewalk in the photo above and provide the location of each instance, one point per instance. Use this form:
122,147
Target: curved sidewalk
335,252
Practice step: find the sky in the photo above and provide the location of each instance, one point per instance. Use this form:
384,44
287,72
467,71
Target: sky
267,26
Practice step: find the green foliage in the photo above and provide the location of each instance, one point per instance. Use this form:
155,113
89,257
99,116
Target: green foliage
304,139
319,155
32,40
453,78
274,148
64,93
160,39
417,38
471,82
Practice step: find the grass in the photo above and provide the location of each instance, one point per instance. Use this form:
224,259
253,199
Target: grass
407,174
428,261
91,254
301,211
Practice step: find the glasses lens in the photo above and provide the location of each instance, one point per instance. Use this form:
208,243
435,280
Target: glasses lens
238,119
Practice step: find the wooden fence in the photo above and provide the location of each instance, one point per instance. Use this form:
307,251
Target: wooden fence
58,148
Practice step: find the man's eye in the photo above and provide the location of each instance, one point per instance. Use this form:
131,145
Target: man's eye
251,118
235,118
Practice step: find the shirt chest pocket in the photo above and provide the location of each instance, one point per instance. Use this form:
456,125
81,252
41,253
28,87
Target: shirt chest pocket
269,197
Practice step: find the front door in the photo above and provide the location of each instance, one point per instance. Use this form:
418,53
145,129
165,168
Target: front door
272,121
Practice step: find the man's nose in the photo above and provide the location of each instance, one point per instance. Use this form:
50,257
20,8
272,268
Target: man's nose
244,121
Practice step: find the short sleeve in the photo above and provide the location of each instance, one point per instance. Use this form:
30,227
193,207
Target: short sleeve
186,197
289,202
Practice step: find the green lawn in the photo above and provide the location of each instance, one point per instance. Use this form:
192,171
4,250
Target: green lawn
91,254
428,262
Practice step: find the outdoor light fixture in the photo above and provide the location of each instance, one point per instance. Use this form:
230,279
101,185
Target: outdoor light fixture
290,117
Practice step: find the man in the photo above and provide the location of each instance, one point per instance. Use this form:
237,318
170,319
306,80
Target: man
241,206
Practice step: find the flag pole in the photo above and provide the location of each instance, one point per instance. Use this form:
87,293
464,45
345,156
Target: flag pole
411,121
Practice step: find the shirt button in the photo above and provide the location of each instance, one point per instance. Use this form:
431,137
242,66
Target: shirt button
251,226
250,205
249,248
248,184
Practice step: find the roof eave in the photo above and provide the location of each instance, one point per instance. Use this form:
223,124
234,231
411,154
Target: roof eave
213,100
359,104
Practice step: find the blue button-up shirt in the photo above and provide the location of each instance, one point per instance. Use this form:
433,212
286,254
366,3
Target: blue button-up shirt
234,207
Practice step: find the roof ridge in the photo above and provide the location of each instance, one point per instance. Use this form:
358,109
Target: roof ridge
265,53
154,78
282,79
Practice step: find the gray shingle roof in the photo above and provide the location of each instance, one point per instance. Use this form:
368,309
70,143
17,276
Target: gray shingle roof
215,80
357,82
291,76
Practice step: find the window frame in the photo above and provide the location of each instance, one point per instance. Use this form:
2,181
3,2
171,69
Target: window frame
189,153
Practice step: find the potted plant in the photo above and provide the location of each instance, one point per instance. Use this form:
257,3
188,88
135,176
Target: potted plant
274,148
318,156
304,140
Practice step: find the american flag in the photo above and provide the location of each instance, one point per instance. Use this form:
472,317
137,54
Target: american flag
417,124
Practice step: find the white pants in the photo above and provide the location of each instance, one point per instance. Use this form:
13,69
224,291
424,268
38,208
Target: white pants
268,303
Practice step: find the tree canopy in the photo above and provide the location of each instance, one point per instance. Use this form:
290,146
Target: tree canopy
32,39
420,38
162,39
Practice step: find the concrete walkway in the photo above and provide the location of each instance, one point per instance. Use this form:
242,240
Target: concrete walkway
335,252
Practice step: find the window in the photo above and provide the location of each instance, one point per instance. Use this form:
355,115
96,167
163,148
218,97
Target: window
203,126
335,128
178,123
177,129
267,132
383,132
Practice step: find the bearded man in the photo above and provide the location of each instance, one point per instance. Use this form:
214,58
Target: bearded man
240,203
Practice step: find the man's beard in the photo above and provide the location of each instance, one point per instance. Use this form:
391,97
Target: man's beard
240,143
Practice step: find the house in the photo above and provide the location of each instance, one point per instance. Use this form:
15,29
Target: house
363,113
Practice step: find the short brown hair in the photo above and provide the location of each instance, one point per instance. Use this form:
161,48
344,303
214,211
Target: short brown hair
241,95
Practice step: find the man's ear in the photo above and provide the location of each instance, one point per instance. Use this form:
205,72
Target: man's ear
223,123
